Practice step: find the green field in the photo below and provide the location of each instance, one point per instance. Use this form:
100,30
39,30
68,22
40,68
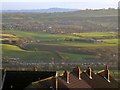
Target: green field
58,39
50,43
38,35
10,51
111,41
44,50
76,57
79,44
97,34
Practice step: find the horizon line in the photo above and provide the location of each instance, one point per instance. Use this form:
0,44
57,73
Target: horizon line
62,8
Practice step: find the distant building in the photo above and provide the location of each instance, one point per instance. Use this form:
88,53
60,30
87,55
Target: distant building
78,80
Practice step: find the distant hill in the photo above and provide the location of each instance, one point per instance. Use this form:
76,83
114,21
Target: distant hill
66,22
50,10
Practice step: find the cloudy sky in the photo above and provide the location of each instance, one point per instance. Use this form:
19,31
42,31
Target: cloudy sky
44,4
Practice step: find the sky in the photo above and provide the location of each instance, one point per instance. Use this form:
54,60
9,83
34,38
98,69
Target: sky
45,4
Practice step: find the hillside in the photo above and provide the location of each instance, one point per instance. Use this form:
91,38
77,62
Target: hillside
60,39
40,47
62,22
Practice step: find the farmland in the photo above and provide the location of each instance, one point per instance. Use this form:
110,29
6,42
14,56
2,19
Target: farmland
39,45
86,37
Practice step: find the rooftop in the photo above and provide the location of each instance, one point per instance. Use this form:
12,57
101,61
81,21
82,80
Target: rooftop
78,79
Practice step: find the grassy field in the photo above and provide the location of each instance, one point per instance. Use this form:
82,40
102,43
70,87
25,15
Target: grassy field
39,35
47,36
58,39
79,44
76,57
96,34
44,50
111,40
10,51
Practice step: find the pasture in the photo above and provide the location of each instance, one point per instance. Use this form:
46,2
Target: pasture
42,47
97,34
10,51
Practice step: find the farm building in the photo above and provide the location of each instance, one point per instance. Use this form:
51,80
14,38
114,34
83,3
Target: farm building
77,80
